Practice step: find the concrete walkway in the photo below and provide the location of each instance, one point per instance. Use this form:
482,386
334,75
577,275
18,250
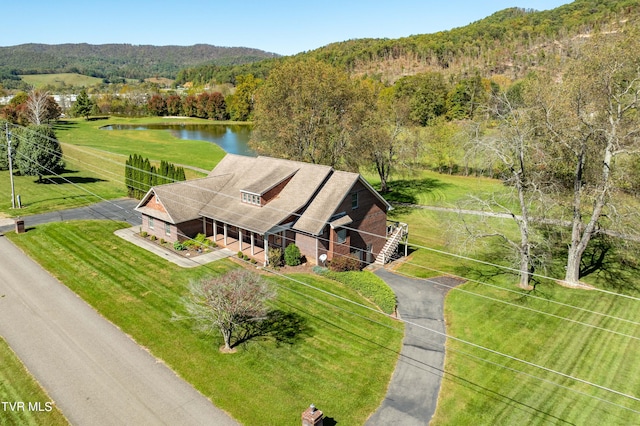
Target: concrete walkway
413,392
95,373
130,235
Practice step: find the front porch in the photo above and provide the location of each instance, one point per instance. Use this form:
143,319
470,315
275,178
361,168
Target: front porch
253,251
252,244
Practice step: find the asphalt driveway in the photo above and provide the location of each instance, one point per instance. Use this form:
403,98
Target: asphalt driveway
413,392
120,209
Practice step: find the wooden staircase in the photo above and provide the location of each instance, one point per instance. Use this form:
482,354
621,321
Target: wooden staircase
396,233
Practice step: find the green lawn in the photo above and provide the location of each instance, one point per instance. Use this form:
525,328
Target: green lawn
483,388
155,144
341,358
17,385
95,164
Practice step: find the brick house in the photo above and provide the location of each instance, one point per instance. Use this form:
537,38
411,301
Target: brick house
252,204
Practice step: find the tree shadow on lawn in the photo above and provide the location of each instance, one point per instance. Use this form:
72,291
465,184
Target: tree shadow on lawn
407,190
284,327
64,125
57,180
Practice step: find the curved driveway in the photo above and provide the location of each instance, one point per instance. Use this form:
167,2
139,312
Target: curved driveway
413,392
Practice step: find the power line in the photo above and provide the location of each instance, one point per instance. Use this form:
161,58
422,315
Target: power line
464,341
451,254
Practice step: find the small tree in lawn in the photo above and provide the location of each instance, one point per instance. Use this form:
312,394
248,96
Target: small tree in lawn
83,106
227,302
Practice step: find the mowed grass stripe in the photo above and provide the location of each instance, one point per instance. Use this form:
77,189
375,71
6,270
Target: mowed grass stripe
18,385
341,362
591,354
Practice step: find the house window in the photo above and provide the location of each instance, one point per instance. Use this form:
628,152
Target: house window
342,235
250,198
354,200
150,223
167,228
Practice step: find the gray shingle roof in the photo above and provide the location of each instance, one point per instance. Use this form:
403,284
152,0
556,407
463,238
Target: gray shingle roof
314,190
326,202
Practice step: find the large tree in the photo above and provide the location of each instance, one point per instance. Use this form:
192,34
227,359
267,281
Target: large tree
240,105
382,139
303,112
38,152
513,146
591,120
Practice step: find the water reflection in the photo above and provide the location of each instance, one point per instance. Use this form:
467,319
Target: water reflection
233,138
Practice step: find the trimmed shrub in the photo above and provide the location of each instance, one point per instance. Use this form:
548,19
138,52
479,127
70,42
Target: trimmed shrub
292,255
144,234
153,238
240,255
368,285
344,263
275,257
178,246
162,241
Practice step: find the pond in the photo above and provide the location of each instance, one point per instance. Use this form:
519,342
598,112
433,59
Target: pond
233,138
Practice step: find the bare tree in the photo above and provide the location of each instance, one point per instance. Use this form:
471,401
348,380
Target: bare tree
227,302
513,145
591,118
37,106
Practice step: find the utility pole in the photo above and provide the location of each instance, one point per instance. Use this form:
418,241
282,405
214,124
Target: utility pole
13,192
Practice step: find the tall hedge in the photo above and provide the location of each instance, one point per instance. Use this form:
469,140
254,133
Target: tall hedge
140,175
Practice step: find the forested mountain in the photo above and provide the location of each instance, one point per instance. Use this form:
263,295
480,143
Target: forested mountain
119,60
509,42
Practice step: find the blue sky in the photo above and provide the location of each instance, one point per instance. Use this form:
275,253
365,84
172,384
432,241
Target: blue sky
284,27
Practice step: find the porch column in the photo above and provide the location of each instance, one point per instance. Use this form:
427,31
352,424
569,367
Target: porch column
225,234
215,230
252,244
283,235
266,250
240,239
204,225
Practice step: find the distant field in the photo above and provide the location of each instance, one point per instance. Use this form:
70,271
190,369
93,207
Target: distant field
64,79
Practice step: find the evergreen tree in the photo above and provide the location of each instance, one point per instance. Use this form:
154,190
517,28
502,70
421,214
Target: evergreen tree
39,153
83,105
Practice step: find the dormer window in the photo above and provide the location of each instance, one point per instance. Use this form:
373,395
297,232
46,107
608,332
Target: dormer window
250,198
